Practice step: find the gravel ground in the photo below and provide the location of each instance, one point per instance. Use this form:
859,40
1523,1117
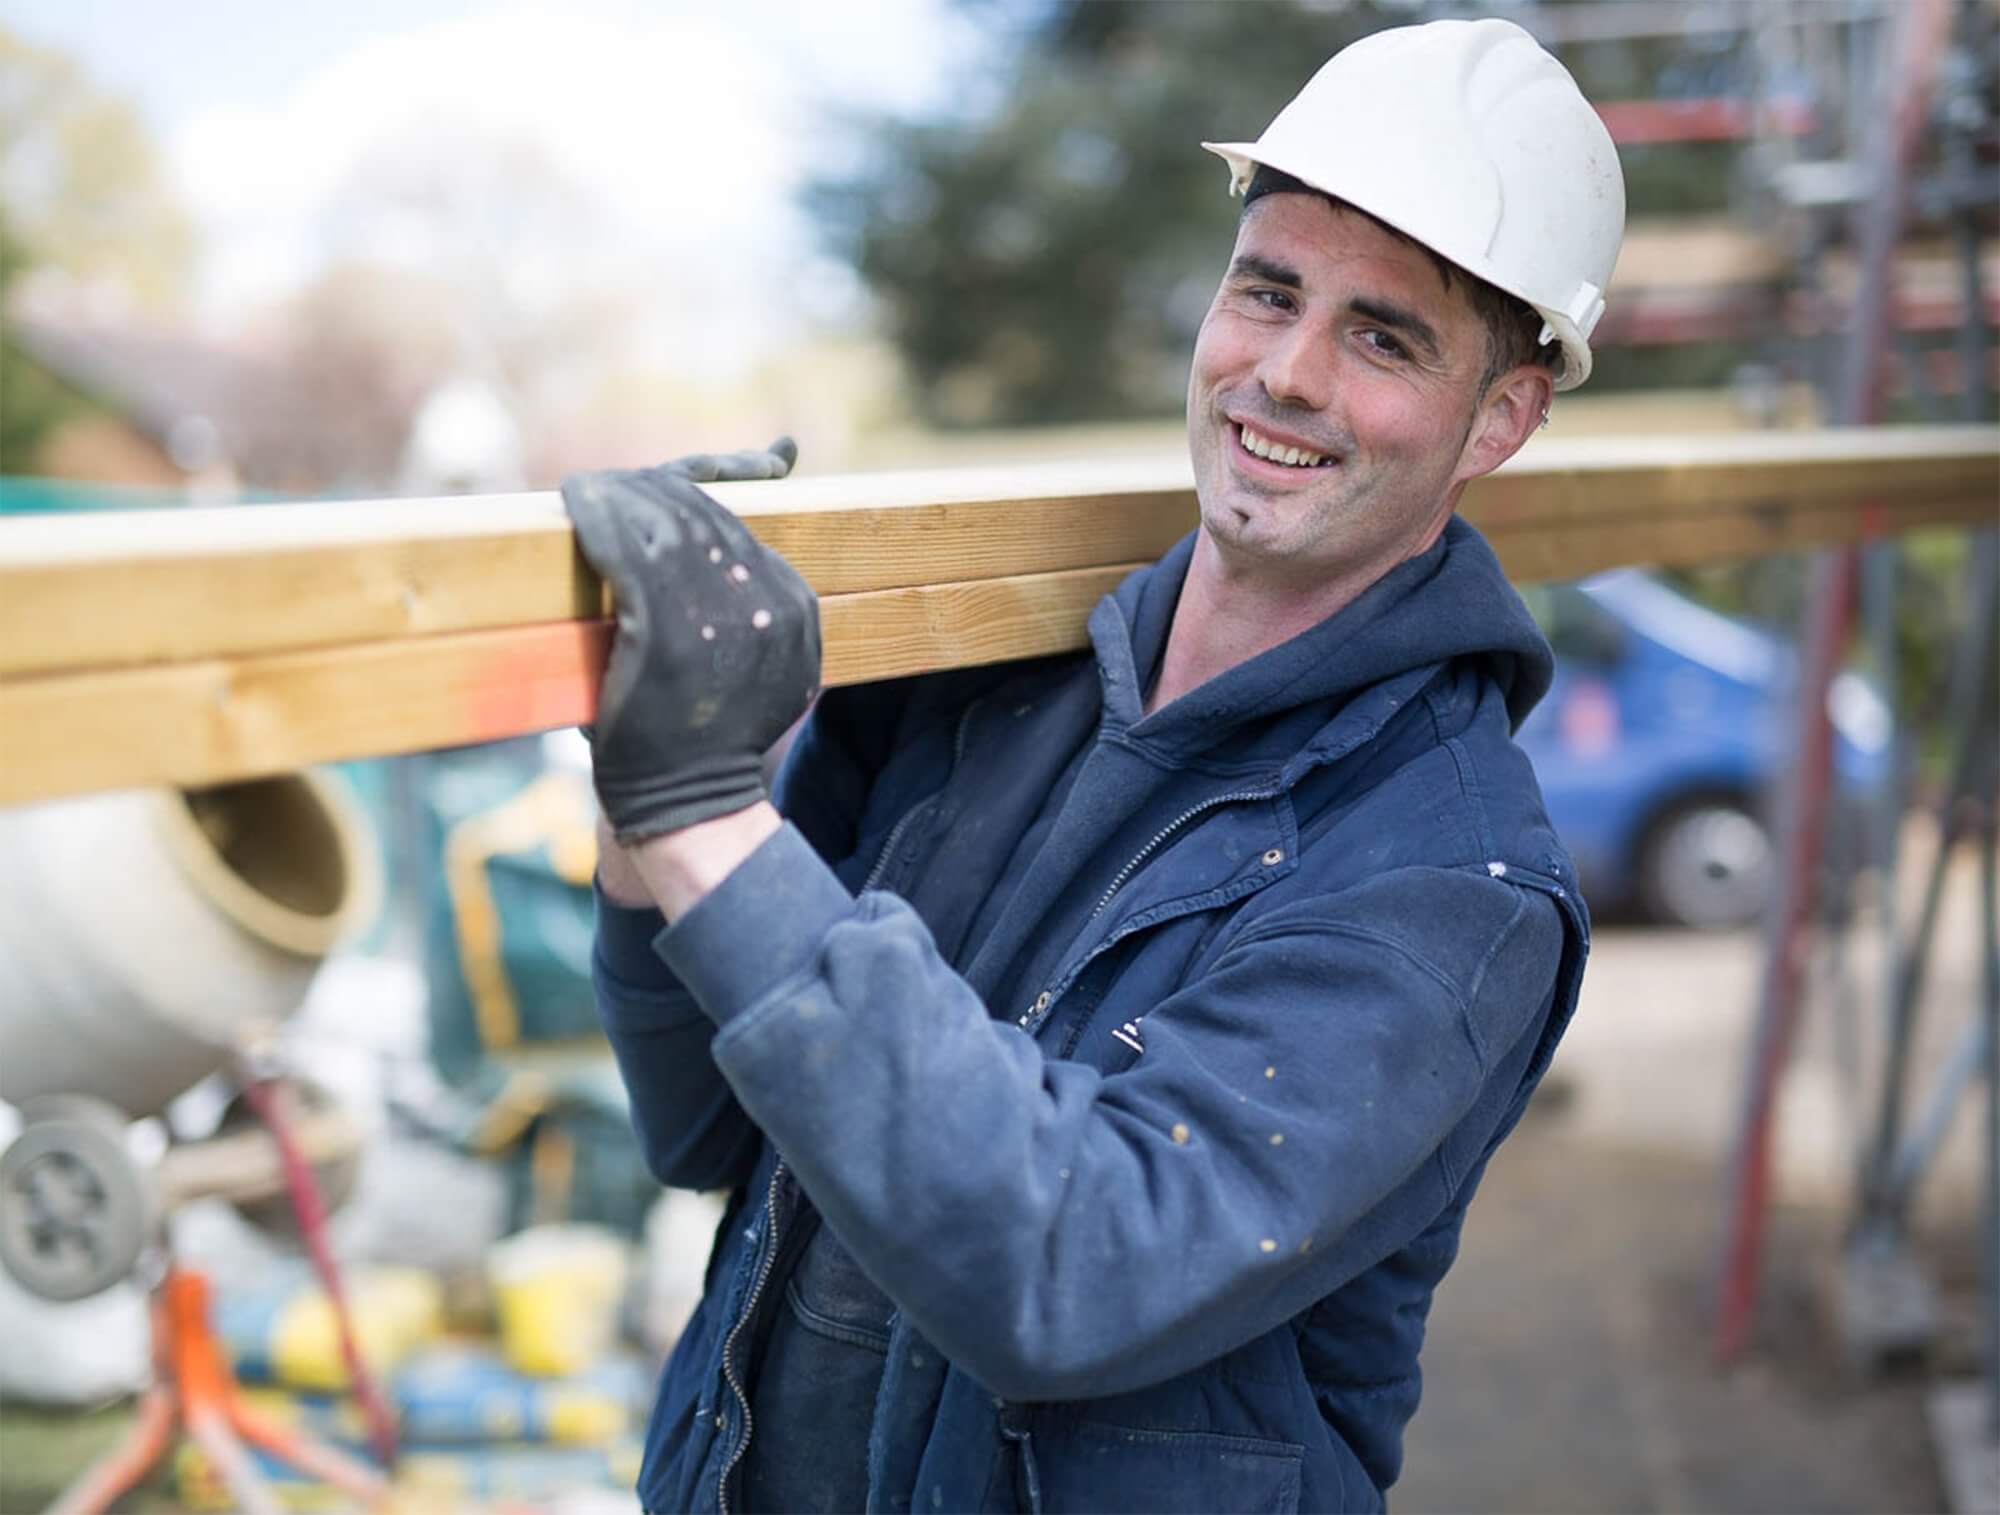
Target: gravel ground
1567,1367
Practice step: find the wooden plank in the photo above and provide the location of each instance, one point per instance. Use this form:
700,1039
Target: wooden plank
887,633
1641,478
116,588
218,719
122,588
196,723
206,719
1571,549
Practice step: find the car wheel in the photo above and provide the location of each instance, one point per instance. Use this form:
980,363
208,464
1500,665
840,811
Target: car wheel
1708,865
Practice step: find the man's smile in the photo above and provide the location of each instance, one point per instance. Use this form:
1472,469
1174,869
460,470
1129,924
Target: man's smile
1263,454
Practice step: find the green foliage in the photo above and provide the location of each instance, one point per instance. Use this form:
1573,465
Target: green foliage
31,406
1052,261
1047,253
32,403
82,184
81,192
1679,178
1683,365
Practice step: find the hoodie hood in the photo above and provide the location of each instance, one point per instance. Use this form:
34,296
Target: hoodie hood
1390,634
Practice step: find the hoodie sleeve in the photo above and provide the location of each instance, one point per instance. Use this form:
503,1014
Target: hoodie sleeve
691,1130
1059,1232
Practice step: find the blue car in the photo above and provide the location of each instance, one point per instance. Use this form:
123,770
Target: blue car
1666,728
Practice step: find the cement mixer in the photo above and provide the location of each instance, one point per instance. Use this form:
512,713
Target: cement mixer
146,939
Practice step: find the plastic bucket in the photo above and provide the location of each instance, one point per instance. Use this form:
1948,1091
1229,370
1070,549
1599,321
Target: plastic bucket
556,1290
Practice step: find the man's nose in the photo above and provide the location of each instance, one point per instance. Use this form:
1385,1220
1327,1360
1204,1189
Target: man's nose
1298,369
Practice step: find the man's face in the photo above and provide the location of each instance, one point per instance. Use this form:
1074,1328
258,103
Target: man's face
1332,337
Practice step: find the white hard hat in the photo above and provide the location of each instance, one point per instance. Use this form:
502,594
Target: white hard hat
1470,138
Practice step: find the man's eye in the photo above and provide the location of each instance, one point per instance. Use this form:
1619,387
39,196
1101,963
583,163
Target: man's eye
1276,299
1385,344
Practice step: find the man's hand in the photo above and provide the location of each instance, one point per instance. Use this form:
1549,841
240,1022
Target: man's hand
717,647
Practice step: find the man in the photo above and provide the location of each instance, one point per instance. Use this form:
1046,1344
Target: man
1102,1051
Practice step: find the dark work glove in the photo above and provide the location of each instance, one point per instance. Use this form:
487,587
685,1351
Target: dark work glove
717,647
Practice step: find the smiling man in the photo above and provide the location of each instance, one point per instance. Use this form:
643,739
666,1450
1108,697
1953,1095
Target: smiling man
1101,1052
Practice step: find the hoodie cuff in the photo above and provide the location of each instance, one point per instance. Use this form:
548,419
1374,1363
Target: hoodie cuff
625,936
758,927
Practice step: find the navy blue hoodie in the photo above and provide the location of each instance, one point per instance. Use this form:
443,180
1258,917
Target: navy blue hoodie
1158,1132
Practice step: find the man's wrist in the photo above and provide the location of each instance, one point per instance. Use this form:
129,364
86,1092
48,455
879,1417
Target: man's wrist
618,879
679,868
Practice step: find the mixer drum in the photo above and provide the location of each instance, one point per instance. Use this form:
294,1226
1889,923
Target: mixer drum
142,933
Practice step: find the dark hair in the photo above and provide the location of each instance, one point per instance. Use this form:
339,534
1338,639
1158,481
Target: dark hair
1512,325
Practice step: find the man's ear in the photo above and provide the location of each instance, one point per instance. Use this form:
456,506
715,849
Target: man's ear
1514,405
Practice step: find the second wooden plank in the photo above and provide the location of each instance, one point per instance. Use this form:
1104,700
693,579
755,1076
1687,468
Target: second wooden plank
216,720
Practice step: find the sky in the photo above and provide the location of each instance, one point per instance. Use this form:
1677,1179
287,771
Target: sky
682,127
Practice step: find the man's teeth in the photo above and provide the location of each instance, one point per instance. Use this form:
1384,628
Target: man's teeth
1264,447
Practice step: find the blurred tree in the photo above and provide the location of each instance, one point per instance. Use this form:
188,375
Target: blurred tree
81,194
81,182
1048,253
32,402
1052,260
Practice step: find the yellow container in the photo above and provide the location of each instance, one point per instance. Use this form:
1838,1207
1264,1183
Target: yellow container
556,1291
393,1310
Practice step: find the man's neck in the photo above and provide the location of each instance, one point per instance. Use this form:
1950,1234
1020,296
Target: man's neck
1227,617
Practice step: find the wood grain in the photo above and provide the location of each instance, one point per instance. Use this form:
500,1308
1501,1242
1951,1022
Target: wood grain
115,588
1543,550
121,588
218,719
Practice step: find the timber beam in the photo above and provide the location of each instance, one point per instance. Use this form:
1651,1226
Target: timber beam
193,647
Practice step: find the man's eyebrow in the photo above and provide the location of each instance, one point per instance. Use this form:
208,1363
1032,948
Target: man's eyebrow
1256,266
1397,318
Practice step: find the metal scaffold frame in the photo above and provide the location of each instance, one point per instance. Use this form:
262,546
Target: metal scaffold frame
1928,95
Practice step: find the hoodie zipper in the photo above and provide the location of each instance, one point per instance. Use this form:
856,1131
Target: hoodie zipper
888,851
1168,830
1045,1002
889,847
744,1317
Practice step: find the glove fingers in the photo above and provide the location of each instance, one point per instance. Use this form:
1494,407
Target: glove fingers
773,462
636,515
711,524
625,521
593,503
699,466
736,539
619,529
600,511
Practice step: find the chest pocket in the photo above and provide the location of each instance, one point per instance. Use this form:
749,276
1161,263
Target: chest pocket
1100,1018
830,1296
